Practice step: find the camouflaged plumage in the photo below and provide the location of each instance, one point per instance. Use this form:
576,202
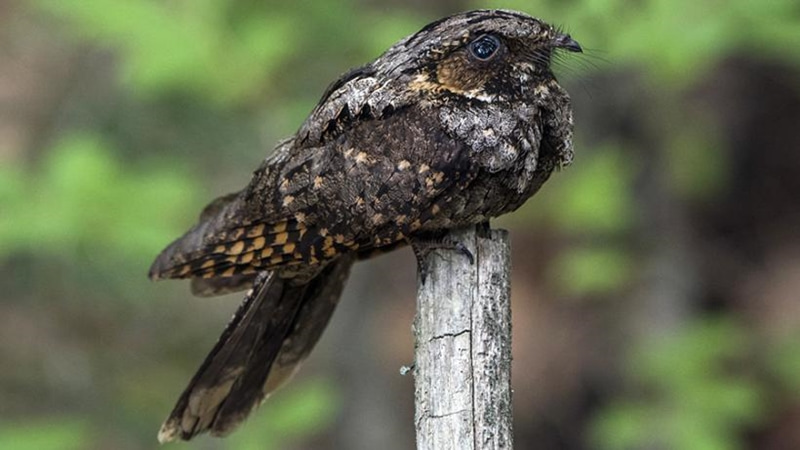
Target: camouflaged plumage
426,138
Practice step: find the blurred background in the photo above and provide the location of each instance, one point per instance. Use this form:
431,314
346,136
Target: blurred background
656,282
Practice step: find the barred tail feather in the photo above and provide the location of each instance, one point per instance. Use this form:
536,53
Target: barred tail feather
272,332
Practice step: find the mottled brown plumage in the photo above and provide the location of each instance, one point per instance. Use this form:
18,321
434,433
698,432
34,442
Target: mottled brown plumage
456,124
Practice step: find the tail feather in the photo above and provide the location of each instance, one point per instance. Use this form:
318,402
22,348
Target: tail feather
209,287
272,332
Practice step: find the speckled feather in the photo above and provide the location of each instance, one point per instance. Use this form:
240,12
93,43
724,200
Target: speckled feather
426,138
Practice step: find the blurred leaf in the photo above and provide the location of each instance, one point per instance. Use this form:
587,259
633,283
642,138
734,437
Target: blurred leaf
45,434
595,195
693,396
81,197
193,47
587,271
622,425
698,165
303,409
385,30
783,359
676,42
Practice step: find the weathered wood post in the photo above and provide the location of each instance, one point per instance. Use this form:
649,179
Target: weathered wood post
462,371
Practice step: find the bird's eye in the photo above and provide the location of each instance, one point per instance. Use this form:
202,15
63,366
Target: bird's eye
484,47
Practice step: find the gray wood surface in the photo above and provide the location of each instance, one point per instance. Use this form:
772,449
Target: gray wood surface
462,371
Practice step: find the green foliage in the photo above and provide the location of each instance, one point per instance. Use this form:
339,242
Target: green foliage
593,202
220,51
597,195
693,393
783,361
698,165
592,270
199,47
45,434
301,410
674,42
83,198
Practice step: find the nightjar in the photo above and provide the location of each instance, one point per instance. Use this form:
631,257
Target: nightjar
458,123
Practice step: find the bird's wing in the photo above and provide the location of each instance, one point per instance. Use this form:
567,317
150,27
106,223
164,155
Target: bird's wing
362,172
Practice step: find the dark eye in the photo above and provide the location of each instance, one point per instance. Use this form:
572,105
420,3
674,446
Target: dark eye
484,47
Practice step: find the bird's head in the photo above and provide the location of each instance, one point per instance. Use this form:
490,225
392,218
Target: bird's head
484,54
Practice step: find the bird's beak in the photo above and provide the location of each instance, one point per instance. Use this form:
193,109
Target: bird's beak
566,42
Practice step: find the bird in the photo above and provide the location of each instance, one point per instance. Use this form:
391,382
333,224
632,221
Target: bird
456,124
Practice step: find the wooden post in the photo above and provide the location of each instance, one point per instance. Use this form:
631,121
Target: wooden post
462,371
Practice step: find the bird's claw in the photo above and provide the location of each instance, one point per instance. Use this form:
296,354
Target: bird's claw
423,247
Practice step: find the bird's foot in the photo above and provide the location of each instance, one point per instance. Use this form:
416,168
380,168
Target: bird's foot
424,246
483,229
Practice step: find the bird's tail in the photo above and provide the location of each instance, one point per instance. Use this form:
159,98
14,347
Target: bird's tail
272,332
